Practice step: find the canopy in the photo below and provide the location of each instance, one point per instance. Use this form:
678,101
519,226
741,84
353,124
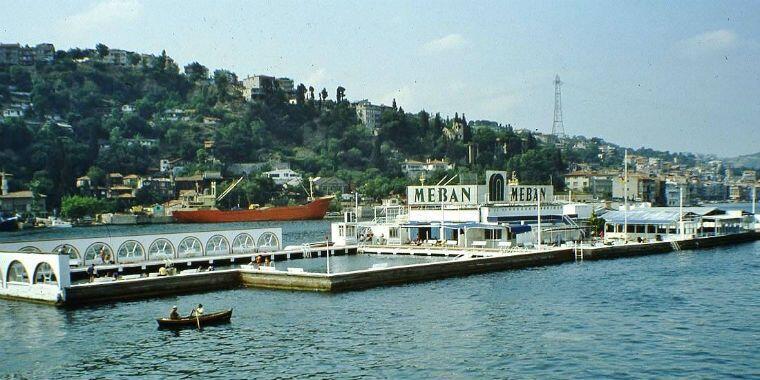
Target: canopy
653,215
519,228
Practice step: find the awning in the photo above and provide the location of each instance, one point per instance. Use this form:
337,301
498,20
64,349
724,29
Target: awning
519,228
525,218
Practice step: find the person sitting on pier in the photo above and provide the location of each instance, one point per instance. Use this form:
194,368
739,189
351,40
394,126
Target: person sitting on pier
197,311
174,314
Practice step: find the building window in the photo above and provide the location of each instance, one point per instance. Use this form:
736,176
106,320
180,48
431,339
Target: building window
393,233
496,188
493,234
93,253
160,249
190,247
17,273
44,274
217,245
243,243
130,251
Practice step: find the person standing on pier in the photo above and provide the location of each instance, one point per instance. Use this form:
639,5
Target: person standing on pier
91,272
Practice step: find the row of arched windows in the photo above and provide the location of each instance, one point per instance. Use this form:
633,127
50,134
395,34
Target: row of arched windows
17,274
163,249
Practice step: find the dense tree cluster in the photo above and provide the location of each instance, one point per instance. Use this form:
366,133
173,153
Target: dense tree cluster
77,126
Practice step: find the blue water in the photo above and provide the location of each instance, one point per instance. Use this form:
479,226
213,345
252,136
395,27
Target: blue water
691,314
340,264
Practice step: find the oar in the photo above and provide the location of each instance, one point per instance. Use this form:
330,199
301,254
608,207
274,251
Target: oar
198,321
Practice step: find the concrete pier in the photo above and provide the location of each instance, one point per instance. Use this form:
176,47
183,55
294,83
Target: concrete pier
461,264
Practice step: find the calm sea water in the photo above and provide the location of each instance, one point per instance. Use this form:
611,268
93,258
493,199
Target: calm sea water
691,314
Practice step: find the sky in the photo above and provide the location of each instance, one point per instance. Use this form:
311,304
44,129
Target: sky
677,76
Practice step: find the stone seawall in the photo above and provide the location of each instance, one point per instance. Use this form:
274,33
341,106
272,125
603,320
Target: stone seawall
151,287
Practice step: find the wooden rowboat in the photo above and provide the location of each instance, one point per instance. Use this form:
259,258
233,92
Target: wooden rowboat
203,320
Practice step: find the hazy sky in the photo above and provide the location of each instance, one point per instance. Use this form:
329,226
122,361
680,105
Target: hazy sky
679,76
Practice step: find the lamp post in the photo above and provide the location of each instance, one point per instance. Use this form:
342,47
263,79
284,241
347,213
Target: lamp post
625,196
539,221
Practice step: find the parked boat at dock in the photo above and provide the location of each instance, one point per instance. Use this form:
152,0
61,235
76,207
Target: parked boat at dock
9,223
313,210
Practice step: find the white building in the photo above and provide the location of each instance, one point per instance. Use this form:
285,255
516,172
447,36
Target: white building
368,113
284,177
116,57
13,112
499,213
414,169
255,85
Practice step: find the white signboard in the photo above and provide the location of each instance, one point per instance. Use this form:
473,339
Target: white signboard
529,194
455,194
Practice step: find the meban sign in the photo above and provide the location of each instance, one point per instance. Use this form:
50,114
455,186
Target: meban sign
460,194
530,194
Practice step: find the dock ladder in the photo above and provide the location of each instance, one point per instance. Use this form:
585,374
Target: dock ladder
578,253
675,245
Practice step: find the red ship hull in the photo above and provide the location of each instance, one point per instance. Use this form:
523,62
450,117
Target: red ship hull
311,211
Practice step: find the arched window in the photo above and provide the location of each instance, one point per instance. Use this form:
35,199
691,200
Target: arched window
93,253
268,242
160,249
30,249
17,273
190,247
68,249
130,251
2,279
44,274
217,245
243,243
496,188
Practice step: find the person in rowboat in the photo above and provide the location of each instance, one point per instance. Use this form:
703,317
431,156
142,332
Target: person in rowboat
174,314
197,312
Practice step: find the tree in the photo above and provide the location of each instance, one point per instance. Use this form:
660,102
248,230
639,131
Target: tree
323,94
222,83
596,223
340,94
76,206
300,94
102,50
97,176
195,71
466,131
311,93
